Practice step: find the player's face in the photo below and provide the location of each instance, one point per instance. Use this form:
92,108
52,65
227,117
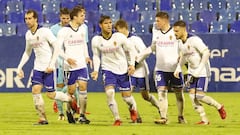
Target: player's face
81,17
64,18
179,31
30,20
106,26
160,23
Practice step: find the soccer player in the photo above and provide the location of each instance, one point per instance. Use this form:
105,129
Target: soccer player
109,51
196,54
42,41
64,20
165,45
140,77
73,39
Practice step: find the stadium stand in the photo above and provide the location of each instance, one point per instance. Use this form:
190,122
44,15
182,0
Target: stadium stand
218,15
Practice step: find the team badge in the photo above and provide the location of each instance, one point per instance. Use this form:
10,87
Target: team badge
101,45
170,37
188,46
37,38
114,43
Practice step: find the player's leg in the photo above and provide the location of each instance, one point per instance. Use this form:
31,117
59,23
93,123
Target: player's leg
82,76
161,80
109,80
203,82
125,88
37,85
177,86
196,93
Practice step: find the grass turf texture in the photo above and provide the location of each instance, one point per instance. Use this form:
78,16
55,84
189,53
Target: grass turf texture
18,115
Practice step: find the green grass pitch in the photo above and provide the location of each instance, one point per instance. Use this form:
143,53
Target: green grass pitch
17,115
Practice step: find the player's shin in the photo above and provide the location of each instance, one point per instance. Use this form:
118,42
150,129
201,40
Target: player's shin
163,102
112,103
198,107
210,101
83,101
180,102
39,106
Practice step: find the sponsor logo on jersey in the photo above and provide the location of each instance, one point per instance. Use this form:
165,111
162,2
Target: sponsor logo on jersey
115,43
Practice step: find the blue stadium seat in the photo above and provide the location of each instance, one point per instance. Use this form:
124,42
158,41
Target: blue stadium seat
7,29
233,5
218,27
130,16
198,5
92,17
217,5
14,6
207,16
165,5
115,15
198,27
2,18
36,5
49,7
15,17
69,3
235,27
173,16
180,5
188,16
21,29
107,5
140,28
147,16
125,5
91,5
142,5
51,17
227,16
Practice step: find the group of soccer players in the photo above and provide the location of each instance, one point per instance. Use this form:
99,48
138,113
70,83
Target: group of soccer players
121,56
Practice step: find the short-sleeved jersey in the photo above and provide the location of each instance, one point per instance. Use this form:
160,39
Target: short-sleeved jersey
112,53
41,42
192,53
167,50
142,68
74,45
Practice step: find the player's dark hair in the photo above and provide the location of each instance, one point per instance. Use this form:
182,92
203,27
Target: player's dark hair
121,23
163,15
35,14
76,10
64,11
180,23
103,18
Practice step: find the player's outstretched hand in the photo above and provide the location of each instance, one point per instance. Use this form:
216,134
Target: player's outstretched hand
131,70
20,73
94,75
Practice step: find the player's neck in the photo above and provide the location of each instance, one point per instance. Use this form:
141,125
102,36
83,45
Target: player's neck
74,25
184,38
166,28
106,35
34,28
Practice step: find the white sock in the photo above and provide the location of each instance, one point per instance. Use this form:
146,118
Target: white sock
62,96
112,103
39,106
210,101
198,108
152,99
163,102
180,102
131,102
83,101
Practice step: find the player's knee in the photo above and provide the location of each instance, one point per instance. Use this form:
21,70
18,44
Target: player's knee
51,95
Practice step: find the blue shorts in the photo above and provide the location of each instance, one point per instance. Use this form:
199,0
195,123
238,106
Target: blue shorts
111,79
168,79
46,79
201,84
138,83
80,74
